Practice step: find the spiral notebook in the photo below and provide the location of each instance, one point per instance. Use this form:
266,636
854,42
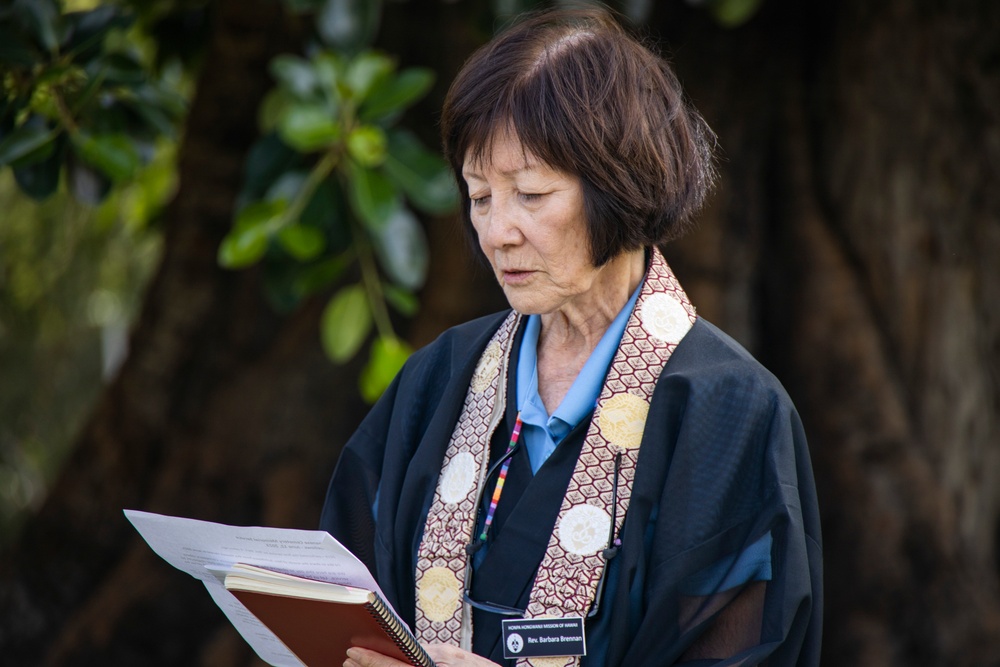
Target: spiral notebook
318,621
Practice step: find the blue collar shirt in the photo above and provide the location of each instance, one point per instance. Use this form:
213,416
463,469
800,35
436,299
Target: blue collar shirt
541,432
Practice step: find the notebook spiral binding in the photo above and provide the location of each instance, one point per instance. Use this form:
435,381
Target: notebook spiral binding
398,632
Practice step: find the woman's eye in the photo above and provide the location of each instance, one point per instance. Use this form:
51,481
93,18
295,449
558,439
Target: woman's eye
530,196
479,202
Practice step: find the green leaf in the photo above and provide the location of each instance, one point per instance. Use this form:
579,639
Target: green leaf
366,71
394,94
303,243
155,118
42,17
40,154
286,186
387,358
122,68
241,248
403,301
252,230
295,73
10,108
423,176
274,105
325,207
164,98
366,144
315,277
348,25
372,196
267,160
402,249
85,31
88,185
113,154
25,142
346,322
40,179
113,119
733,13
330,70
287,282
263,215
308,127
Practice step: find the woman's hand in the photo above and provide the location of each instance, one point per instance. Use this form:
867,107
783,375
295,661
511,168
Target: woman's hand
443,655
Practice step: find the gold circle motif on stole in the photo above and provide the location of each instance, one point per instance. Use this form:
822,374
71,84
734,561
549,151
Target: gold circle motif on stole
439,591
622,420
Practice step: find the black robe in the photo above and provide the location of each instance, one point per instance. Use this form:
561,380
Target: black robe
723,463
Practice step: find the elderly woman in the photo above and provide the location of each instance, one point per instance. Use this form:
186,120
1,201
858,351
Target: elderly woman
598,454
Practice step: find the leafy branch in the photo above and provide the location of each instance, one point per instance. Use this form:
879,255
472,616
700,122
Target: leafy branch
330,184
76,99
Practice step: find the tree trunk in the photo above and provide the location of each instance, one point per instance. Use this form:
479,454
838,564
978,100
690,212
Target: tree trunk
852,246
849,245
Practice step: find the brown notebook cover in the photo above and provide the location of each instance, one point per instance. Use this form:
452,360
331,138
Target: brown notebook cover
319,632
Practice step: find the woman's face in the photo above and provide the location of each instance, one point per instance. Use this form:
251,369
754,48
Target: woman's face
530,222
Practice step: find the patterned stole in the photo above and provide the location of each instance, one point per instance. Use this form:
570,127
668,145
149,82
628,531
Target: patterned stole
567,578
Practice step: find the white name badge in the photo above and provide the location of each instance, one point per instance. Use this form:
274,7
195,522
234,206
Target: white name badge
543,637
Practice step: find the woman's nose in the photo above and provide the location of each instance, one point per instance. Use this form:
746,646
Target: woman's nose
503,227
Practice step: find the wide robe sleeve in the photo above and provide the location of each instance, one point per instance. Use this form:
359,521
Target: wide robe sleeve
723,475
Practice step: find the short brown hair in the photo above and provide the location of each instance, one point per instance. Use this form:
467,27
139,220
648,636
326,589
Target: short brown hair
587,98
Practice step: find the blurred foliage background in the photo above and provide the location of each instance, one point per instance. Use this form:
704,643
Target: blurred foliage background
71,279
90,116
93,100
75,252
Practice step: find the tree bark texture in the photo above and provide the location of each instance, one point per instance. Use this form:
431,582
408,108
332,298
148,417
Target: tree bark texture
850,245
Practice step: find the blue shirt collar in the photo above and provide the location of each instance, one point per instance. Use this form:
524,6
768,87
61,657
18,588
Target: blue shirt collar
582,396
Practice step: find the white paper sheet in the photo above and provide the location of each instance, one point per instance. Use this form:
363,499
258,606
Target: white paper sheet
207,550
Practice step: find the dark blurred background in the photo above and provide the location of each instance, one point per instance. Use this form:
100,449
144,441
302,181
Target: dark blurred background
204,280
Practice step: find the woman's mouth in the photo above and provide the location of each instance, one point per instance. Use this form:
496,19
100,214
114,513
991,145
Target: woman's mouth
516,277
